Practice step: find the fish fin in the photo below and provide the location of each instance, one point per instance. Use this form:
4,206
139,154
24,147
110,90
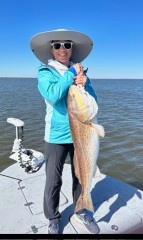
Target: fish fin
76,165
97,172
84,202
99,129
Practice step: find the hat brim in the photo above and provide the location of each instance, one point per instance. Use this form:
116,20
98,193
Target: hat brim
41,44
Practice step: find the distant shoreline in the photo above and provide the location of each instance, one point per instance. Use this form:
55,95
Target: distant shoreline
90,78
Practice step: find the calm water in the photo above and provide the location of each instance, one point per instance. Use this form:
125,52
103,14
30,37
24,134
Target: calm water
120,112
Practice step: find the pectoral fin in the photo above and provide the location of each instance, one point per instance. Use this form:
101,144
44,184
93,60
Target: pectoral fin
99,129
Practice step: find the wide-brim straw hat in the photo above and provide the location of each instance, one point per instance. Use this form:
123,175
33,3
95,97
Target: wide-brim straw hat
41,44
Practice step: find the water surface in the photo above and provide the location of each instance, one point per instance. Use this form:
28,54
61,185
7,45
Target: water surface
120,112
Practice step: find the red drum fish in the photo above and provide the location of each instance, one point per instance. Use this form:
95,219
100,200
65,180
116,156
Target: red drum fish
85,131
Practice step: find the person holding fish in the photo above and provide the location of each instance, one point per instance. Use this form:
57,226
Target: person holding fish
61,52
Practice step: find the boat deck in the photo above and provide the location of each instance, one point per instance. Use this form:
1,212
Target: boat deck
118,207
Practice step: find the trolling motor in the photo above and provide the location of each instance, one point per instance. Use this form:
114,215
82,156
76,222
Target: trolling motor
28,159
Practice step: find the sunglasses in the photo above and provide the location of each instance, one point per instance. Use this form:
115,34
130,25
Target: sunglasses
58,45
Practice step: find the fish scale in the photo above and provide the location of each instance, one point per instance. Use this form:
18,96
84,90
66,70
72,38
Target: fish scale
82,109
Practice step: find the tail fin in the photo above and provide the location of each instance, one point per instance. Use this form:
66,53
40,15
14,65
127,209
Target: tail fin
84,202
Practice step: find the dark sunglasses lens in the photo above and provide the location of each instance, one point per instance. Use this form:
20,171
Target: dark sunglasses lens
56,46
68,45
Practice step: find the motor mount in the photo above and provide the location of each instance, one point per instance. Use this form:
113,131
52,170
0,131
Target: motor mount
28,159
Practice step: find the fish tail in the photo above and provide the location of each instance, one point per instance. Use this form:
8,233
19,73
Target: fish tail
84,202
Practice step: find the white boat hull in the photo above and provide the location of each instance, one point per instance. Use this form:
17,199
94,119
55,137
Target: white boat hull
118,206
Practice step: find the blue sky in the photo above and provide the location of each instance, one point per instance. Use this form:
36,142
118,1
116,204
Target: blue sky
115,26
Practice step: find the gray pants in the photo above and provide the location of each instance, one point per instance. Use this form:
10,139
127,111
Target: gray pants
55,156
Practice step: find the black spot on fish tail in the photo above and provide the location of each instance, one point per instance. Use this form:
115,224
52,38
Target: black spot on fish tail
84,202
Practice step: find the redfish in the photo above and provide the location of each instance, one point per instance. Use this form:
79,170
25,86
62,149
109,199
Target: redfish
85,131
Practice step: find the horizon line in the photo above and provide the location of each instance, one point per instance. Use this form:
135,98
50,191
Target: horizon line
89,78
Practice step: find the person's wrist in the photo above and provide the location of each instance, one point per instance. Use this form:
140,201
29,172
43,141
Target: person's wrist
73,70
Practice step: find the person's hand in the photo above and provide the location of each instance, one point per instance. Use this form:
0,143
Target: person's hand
78,67
80,79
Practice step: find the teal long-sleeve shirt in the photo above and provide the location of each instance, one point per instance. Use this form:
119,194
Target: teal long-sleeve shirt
54,88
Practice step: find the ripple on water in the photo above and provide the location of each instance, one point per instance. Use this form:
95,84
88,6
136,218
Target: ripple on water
120,112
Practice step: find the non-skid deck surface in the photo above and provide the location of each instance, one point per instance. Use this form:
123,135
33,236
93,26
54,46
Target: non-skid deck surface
118,206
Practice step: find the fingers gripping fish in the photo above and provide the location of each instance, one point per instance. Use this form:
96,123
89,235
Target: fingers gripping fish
82,110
